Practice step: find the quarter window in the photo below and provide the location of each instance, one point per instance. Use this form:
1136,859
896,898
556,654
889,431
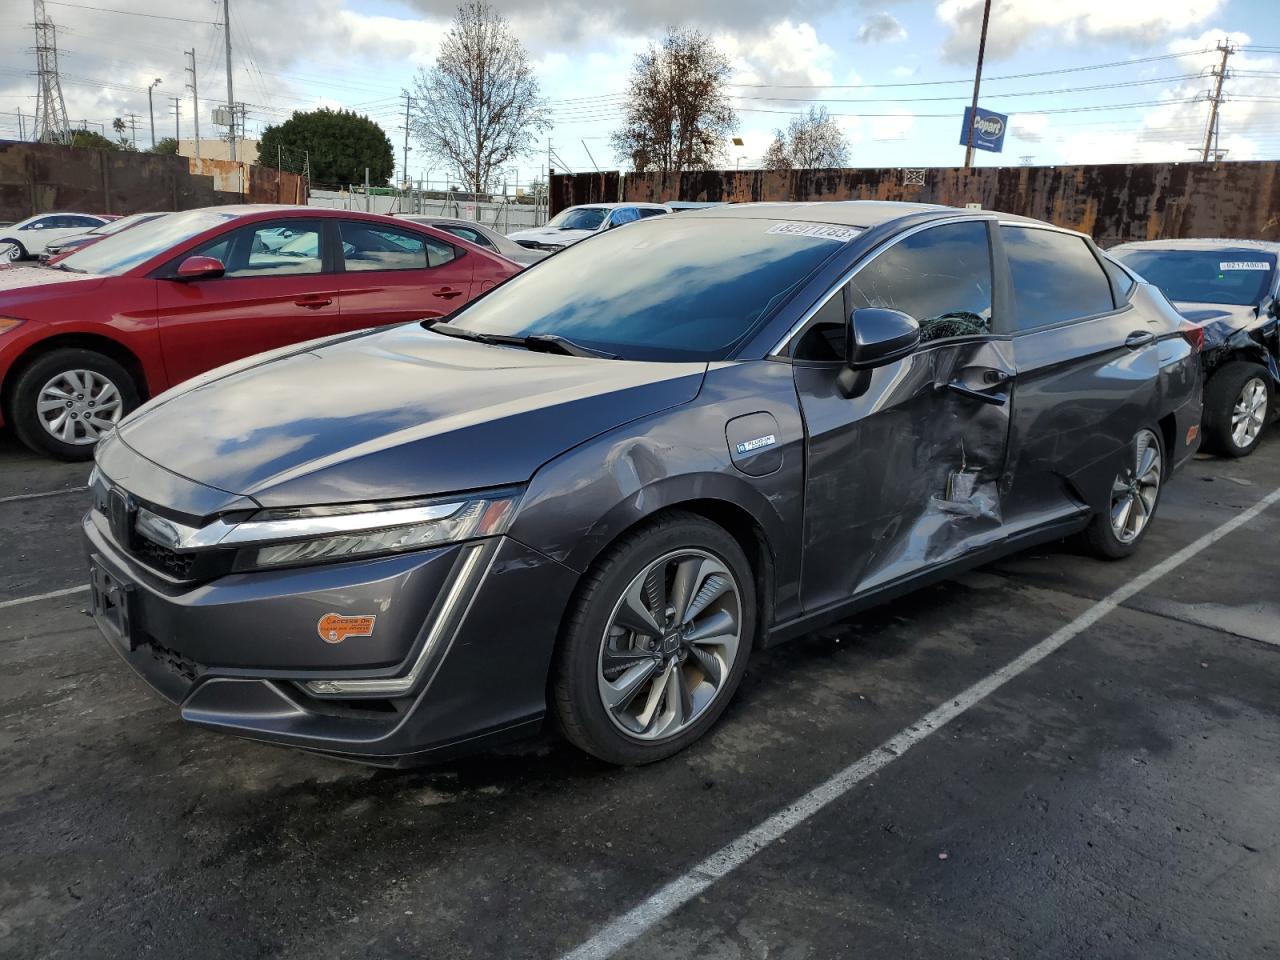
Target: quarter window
370,246
1055,277
941,276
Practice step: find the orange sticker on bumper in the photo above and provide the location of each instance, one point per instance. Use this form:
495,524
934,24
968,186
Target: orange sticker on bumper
334,628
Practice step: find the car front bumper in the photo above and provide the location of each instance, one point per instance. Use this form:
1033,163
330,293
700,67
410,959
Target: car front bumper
473,624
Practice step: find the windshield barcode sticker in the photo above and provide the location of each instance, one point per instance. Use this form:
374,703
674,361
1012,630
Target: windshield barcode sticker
823,231
1244,265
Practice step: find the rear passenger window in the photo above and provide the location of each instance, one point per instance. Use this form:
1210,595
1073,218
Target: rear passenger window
1055,277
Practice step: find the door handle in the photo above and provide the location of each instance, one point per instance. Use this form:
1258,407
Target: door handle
1139,338
996,399
447,293
315,301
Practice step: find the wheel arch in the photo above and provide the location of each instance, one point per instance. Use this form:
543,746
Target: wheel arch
74,341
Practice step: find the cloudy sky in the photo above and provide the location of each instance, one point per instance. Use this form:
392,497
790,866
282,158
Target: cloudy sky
896,72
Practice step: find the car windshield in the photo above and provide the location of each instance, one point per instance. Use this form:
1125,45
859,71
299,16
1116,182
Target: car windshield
124,223
578,218
121,252
663,289
1231,276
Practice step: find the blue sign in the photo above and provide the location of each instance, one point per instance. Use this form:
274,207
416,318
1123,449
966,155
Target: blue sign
988,130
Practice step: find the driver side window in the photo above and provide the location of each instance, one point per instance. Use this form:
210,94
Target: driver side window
941,276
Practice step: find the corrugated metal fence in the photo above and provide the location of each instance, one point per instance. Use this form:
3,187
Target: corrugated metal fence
1113,202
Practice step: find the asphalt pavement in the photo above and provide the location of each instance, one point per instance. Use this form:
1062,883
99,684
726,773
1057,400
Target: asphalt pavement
1113,794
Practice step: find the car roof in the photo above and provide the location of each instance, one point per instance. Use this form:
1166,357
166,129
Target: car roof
428,219
847,213
1203,243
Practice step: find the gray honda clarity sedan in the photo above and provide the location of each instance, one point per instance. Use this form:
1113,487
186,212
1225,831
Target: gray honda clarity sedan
590,494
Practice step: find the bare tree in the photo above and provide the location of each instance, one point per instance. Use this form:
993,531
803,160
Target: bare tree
812,140
678,114
479,107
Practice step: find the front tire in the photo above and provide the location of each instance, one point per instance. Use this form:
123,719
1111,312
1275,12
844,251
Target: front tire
656,641
1237,408
67,399
1115,532
11,251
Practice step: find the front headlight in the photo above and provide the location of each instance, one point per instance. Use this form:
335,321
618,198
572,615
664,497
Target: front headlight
295,536
413,529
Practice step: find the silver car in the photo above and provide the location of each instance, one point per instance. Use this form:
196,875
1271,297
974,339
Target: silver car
481,236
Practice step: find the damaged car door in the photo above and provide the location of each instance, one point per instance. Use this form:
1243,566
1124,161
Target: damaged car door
906,470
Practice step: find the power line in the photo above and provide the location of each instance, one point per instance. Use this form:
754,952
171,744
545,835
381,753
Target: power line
127,13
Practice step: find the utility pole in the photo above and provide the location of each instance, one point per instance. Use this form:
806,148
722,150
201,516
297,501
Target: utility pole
151,109
231,96
1215,101
177,119
407,101
133,130
977,84
22,130
195,97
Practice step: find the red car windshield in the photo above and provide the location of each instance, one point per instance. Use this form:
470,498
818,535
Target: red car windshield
119,253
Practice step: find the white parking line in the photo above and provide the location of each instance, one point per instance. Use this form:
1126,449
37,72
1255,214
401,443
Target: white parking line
640,919
46,493
51,595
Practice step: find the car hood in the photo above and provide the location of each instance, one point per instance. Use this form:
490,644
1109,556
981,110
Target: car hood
553,237
397,412
21,283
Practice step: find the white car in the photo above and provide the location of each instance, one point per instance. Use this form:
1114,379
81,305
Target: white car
28,238
577,223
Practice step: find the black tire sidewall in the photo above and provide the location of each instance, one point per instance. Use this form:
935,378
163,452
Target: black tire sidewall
1221,393
26,422
584,718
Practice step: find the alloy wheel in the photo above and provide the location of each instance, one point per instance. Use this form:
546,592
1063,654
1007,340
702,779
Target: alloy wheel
1249,414
79,406
1136,488
10,253
670,645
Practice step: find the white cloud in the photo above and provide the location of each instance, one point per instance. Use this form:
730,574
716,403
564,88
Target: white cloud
1018,23
881,28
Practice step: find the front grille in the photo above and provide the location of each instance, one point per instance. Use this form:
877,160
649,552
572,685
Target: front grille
175,662
180,566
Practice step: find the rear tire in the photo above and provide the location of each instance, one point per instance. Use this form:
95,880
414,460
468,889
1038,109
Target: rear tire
1237,408
1116,530
106,393
632,696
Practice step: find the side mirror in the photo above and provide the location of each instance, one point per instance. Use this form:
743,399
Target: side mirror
200,268
878,336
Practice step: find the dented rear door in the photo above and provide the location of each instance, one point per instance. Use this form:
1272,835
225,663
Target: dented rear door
911,472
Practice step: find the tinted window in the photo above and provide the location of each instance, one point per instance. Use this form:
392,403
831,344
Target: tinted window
667,289
940,276
83,222
466,233
1055,277
1233,276
624,215
257,251
651,212
368,246
117,254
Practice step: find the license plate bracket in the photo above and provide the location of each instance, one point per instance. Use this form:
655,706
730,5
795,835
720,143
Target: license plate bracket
111,603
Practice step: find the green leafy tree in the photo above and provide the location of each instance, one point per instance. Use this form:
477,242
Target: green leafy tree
120,127
167,146
91,138
340,143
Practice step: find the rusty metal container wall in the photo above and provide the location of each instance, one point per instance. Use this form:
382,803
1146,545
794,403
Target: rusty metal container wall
1112,202
39,177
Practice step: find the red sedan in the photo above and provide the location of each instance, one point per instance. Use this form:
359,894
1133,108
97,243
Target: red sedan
85,341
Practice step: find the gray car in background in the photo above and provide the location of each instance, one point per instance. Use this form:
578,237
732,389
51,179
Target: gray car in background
591,501
481,236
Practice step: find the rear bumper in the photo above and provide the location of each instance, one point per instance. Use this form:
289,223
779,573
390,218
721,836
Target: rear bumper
1187,432
236,654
